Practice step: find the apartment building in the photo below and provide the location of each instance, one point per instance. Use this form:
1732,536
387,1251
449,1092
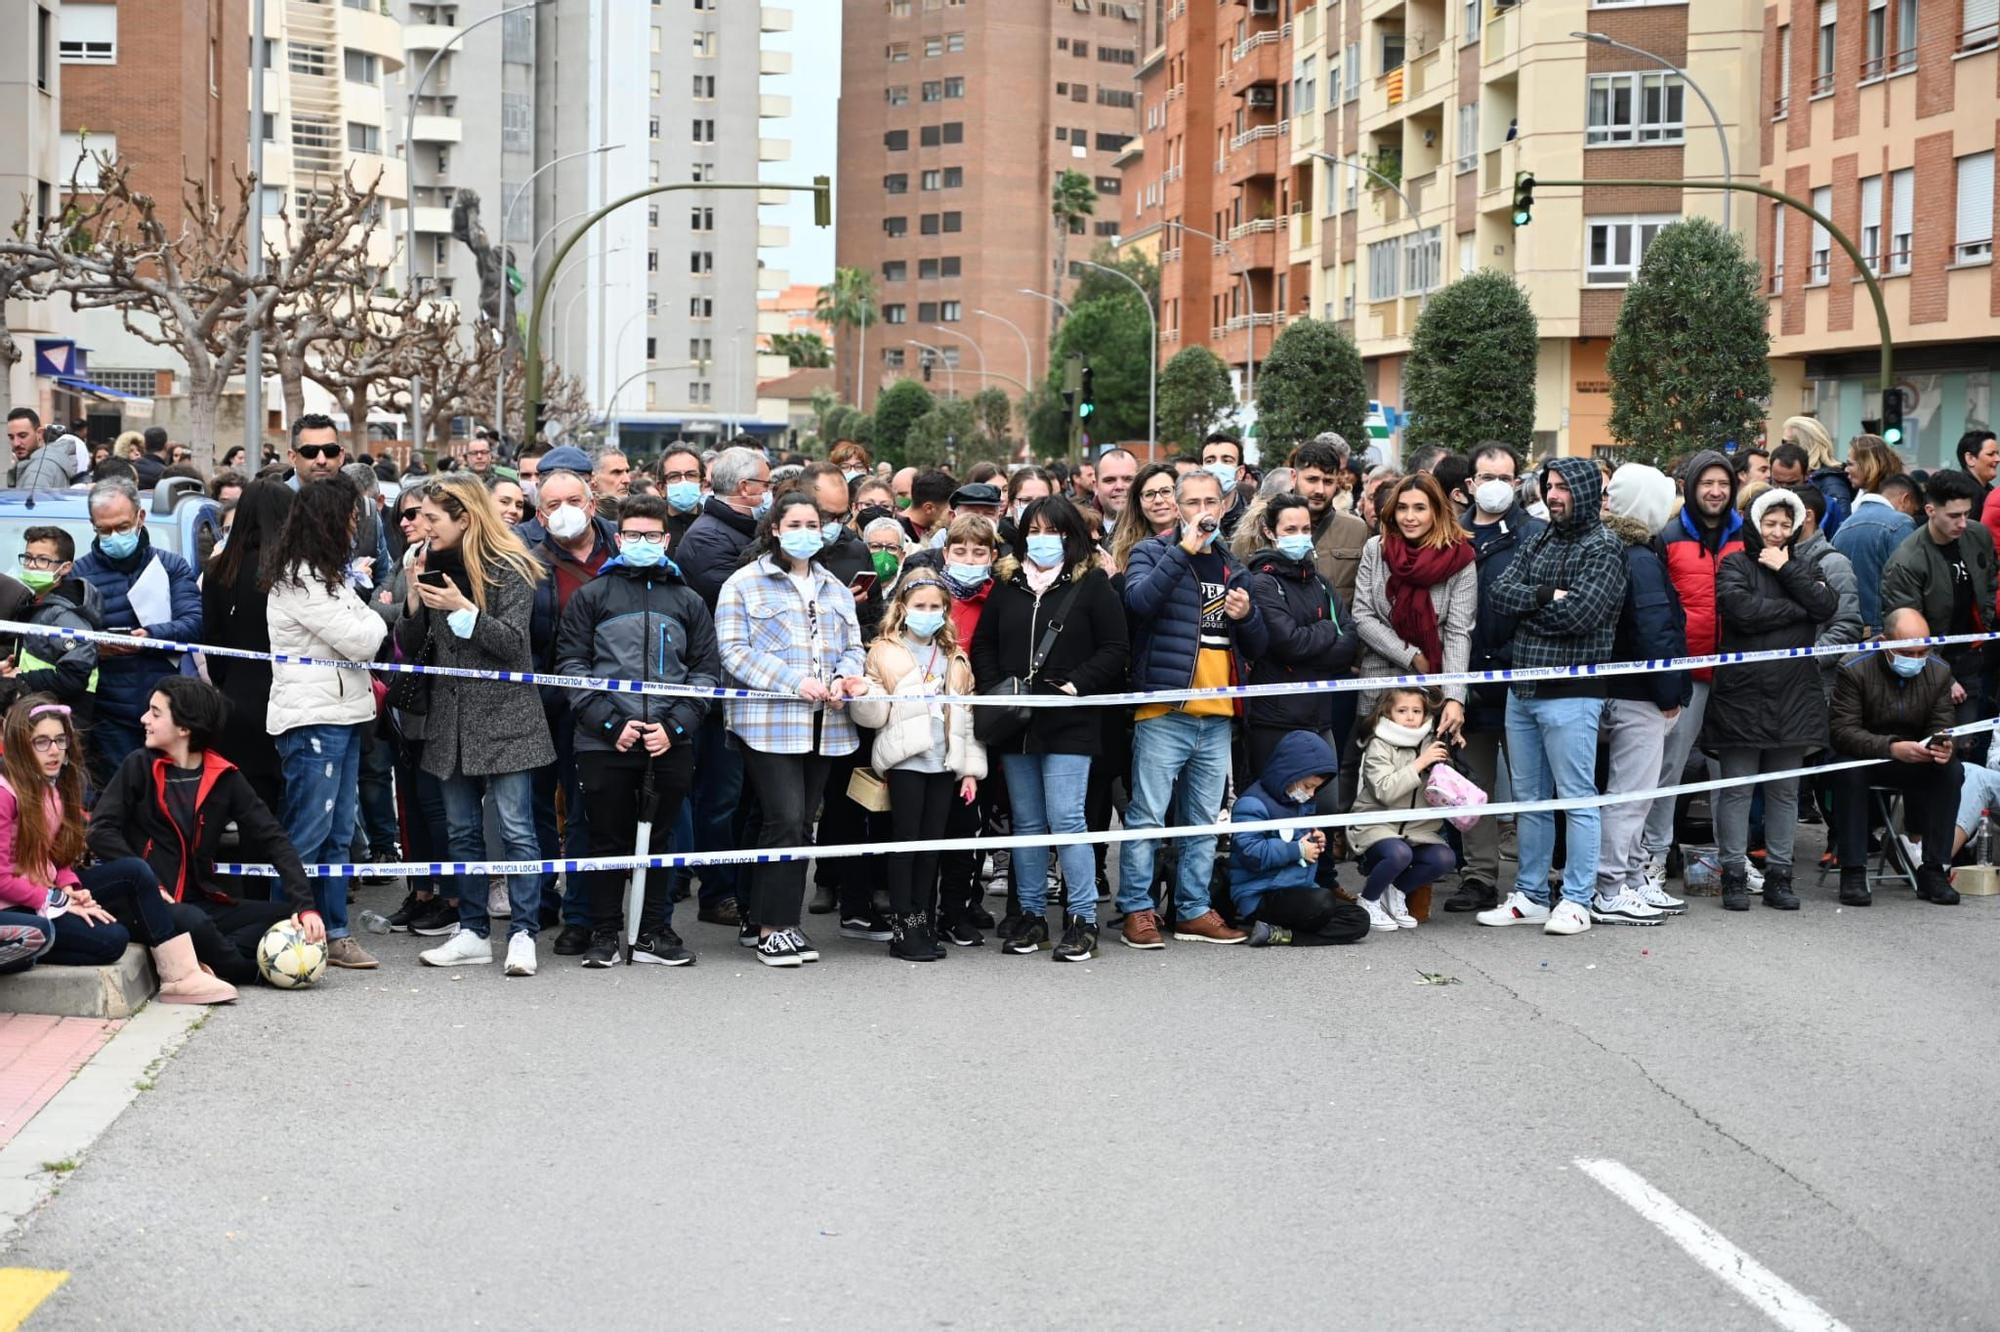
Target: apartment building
31,175
955,120
1430,108
1880,114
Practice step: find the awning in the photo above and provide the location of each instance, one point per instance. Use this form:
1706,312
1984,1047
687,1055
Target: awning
79,385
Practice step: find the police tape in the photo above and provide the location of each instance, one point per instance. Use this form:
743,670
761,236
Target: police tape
1017,841
1128,698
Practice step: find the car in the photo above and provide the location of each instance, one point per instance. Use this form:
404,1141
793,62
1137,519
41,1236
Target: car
180,517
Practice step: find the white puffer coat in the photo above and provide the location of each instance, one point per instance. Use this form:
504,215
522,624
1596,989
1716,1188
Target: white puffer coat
306,620
898,705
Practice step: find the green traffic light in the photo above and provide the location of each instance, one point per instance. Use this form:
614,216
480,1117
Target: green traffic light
1086,409
1522,217
1892,435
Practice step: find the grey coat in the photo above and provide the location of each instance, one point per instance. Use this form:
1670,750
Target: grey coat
1456,600
482,728
1845,626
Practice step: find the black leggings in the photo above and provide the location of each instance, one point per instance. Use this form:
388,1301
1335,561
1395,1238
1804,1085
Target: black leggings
225,936
788,789
1314,916
130,891
920,804
614,784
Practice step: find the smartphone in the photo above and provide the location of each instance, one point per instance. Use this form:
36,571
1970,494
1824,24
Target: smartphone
433,578
863,584
1942,740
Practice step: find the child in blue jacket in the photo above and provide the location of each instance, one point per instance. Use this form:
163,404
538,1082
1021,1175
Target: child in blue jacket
1272,874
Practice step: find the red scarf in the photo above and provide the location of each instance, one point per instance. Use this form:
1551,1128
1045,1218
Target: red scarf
1413,571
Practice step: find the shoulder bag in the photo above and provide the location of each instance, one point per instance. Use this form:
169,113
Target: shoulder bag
409,691
997,724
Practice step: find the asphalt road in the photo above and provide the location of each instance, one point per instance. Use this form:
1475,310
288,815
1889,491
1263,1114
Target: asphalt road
1202,1137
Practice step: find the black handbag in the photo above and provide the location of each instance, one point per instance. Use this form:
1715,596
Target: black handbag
997,724
409,691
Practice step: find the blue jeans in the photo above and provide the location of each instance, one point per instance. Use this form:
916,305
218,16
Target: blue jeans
1047,791
1195,752
573,841
1393,862
1552,750
322,766
378,795
513,796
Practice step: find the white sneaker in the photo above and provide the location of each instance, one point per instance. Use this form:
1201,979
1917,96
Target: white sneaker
463,948
1567,918
1656,872
1518,909
1627,908
1378,916
497,902
1755,875
1398,906
1662,900
521,955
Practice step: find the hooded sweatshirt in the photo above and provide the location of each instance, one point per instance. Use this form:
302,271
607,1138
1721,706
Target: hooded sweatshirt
1264,862
1694,551
1577,556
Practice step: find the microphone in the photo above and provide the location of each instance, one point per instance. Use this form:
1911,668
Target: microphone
1206,526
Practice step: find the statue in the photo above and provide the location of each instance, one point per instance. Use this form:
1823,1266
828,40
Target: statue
496,265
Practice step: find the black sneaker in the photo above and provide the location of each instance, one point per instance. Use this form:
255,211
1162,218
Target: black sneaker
963,934
387,856
1079,941
804,946
873,928
825,900
1473,895
661,948
979,917
776,950
746,935
1735,890
1029,935
1854,890
603,950
574,941
1778,893
1934,886
434,918
412,907
913,941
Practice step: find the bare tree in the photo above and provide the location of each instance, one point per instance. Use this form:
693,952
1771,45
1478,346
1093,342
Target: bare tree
320,262
366,362
23,277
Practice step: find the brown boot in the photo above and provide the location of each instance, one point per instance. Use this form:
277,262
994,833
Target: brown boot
182,981
1208,927
1142,930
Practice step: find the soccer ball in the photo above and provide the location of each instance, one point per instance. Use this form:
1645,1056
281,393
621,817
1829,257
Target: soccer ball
287,959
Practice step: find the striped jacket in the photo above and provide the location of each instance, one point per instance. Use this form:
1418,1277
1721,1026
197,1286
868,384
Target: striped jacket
767,638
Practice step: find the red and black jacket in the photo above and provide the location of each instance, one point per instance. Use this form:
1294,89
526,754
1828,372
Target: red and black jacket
131,819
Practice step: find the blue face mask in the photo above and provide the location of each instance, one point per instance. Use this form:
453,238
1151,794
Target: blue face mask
119,545
643,554
1298,546
829,533
763,506
1045,550
1224,473
1907,667
684,496
924,623
800,543
969,575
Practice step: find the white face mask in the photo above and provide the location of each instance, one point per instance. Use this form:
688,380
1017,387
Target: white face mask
567,523
1298,795
1494,497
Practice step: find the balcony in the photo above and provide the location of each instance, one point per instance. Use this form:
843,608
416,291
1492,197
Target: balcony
376,33
437,129
1255,246
774,62
428,37
1254,153
1256,64
773,19
773,106
432,221
774,150
771,236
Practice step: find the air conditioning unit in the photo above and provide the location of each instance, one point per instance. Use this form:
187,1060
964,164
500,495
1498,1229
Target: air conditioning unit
1263,8
1263,98
1502,6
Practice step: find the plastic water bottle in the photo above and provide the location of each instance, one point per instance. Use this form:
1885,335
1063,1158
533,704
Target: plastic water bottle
374,922
1982,839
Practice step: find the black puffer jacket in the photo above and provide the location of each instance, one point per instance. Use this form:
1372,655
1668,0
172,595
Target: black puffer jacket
637,624
1090,653
1311,637
1768,704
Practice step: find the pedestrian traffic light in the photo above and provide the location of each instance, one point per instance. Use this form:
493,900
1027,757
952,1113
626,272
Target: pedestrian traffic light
1892,416
1086,403
1524,198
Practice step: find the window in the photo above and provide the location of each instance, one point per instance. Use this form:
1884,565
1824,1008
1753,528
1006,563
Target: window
898,52
653,128
1117,97
1474,14
1617,246
1468,137
1117,55
1352,63
703,44
1975,210
932,136
1871,222
895,270
1902,209
892,358
1383,277
704,87
1393,47
954,89
898,95
1423,257
1979,24
952,221
931,180
363,138
954,42
1109,230
88,34
1782,104
896,314
701,261
1109,184
652,215
701,392
361,67
1822,242
1778,248
927,312
1824,53
934,46
703,131
894,227
933,90
1304,77
517,121
1889,39
1634,108
700,172
899,183
652,302
701,349
701,219
896,141
1112,143
949,312
654,40
701,307
83,159
927,224
897,8
652,261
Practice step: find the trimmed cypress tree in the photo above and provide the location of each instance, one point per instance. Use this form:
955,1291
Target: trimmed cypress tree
1311,382
1472,366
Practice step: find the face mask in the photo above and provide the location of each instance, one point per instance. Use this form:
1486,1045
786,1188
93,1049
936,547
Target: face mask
567,523
1224,473
531,494
763,506
850,475
1494,497
41,580
969,575
644,554
119,545
829,533
1907,667
684,496
924,623
1297,546
1298,795
1045,550
885,563
800,544
902,501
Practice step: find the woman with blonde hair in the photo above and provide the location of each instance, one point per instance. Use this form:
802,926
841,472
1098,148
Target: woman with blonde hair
472,592
1823,469
1874,527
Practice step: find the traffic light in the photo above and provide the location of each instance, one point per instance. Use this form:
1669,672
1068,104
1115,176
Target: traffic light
1892,417
924,359
1086,403
1524,198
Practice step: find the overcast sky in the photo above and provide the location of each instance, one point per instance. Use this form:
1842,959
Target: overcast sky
814,87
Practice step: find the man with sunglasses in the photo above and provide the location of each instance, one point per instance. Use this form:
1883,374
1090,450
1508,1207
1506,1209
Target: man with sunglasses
317,455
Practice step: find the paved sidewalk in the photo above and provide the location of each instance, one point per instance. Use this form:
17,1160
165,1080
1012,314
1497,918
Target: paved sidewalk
38,1055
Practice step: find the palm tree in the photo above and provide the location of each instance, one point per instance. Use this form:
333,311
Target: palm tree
804,350
1073,199
849,301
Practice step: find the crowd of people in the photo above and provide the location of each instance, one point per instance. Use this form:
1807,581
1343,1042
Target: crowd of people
882,621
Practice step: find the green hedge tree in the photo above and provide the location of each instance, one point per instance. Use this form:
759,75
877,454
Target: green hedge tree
943,435
1310,382
1115,338
1690,361
1195,396
895,411
1472,366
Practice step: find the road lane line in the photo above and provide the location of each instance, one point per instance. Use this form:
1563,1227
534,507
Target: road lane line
1765,1289
22,1290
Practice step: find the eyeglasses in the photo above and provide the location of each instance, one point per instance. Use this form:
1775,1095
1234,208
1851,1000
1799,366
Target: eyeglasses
1157,493
627,538
311,451
671,477
40,561
45,743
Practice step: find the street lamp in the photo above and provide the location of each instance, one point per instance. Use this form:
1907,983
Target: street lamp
1044,296
976,348
1153,361
1027,352
950,377
611,404
570,304
409,186
1722,135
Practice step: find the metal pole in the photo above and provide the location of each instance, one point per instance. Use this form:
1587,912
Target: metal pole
253,379
1153,364
1027,352
950,381
736,381
1721,135
1042,295
1249,302
976,348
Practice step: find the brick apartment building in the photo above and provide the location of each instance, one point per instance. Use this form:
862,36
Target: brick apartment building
1882,115
955,119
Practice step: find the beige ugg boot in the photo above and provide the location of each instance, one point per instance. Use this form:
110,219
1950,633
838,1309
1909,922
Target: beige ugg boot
182,981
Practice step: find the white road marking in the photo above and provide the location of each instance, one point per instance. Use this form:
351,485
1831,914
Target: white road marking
1765,1289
